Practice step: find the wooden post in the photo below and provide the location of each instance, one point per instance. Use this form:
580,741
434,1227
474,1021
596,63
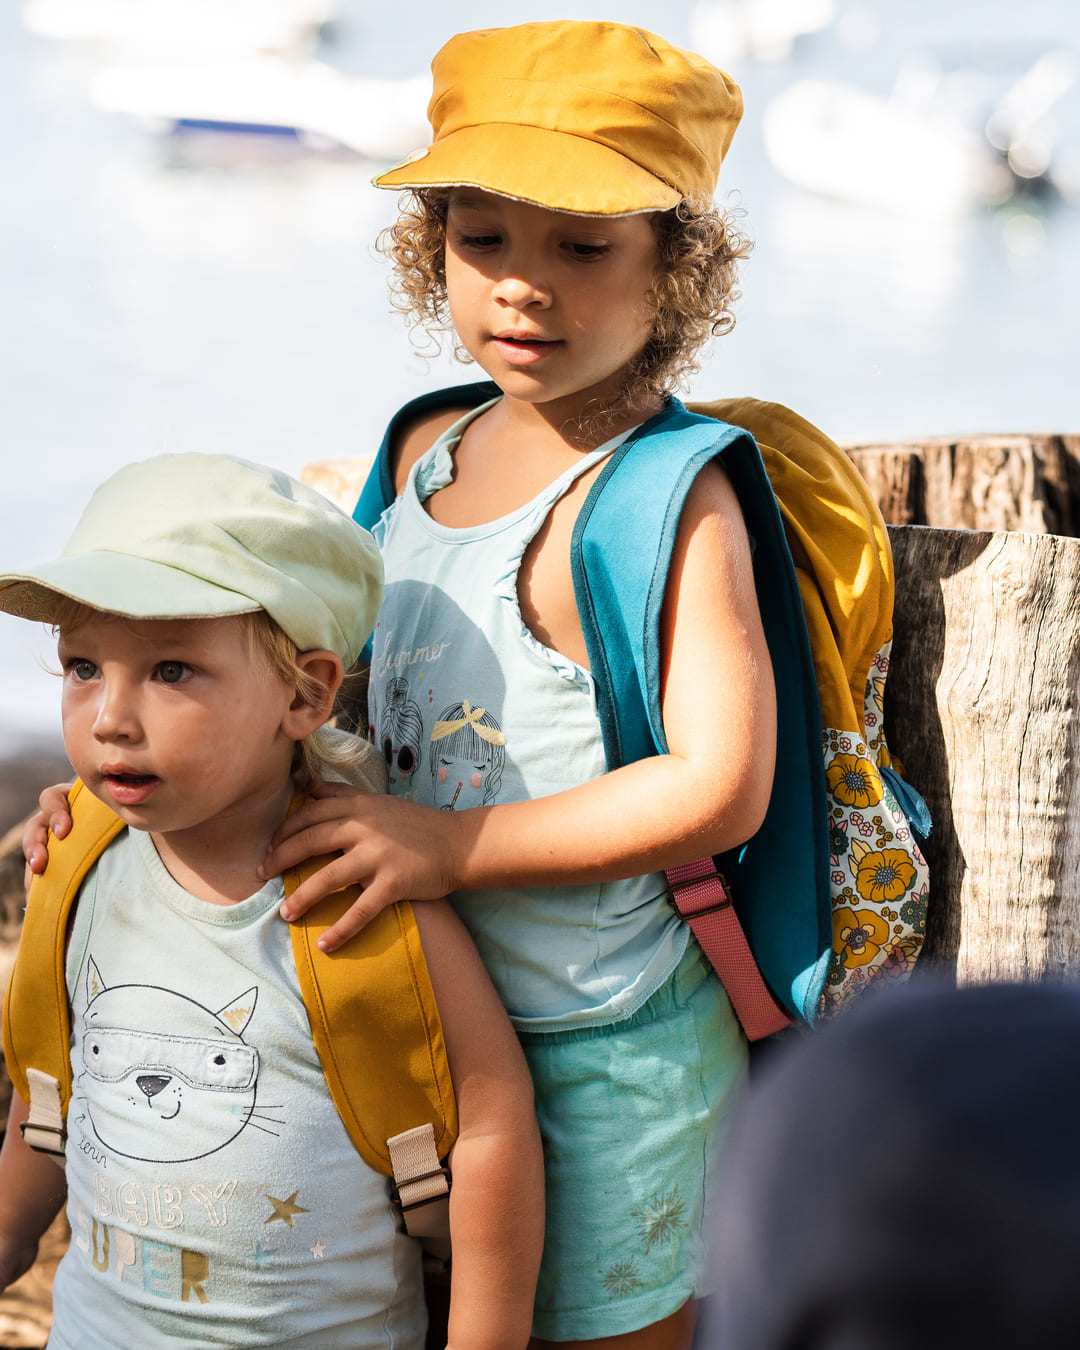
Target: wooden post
1022,482
982,702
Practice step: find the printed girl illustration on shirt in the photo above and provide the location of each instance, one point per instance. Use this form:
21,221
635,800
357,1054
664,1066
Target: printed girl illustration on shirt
401,731
468,751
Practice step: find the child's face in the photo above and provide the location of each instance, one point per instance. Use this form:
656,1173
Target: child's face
551,305
174,723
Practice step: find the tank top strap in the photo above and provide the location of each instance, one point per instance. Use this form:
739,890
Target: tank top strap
435,468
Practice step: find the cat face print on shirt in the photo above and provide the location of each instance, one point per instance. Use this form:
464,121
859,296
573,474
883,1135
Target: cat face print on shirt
163,1078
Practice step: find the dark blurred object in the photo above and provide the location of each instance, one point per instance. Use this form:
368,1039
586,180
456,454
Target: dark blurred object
909,1177
24,771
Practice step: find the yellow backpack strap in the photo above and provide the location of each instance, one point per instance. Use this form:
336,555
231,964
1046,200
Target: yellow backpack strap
839,544
377,1031
878,877
37,1024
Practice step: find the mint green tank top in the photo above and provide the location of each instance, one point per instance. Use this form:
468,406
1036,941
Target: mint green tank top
470,709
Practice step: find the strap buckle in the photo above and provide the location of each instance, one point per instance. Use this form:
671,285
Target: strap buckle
396,1188
711,879
54,1142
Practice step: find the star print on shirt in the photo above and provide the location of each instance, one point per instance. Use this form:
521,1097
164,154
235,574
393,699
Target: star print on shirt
318,1250
262,1256
285,1210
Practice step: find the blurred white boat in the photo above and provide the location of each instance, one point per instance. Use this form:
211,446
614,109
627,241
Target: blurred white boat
849,144
177,30
726,31
377,118
943,141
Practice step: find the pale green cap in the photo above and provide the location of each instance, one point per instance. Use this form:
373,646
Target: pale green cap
201,536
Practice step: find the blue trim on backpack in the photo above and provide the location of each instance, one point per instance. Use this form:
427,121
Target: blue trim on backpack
620,555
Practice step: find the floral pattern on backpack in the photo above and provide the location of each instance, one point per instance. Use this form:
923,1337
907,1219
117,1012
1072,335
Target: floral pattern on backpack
879,878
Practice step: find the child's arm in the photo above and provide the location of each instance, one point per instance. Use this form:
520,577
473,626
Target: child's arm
32,1189
705,796
497,1195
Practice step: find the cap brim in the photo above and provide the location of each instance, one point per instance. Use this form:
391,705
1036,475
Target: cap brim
533,164
119,584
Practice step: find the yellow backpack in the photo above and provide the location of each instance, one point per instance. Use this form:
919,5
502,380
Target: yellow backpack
373,1016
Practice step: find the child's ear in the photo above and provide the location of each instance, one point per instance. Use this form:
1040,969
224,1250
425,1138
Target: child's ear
304,716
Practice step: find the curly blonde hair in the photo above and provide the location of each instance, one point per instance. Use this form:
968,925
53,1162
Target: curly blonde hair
694,289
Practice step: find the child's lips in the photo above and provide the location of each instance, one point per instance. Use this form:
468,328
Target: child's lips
128,788
523,349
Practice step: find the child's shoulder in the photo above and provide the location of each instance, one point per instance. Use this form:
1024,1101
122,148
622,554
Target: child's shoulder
421,421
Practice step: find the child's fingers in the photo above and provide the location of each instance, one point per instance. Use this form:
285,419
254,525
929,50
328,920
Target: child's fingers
337,874
313,841
368,906
35,840
52,814
53,805
336,801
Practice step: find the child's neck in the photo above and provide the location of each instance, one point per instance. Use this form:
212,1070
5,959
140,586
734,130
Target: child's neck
217,859
565,425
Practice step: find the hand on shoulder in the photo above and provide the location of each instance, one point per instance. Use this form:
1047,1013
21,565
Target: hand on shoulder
52,814
393,849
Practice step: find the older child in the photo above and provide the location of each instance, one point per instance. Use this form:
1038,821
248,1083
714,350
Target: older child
206,610
561,222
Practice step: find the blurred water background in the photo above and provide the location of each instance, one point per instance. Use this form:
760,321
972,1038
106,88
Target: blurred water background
220,292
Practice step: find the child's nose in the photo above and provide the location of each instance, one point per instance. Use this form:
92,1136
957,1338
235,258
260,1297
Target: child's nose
521,287
116,718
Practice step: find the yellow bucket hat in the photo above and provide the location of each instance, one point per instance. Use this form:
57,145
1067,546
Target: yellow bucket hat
593,118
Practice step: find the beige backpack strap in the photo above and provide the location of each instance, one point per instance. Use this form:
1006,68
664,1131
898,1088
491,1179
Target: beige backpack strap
44,1129
421,1183
37,1022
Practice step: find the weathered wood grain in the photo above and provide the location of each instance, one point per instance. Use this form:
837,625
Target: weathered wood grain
1021,482
982,701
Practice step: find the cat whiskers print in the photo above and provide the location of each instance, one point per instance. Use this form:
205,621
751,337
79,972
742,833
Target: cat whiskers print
162,1078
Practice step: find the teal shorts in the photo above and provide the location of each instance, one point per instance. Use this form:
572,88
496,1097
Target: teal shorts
631,1115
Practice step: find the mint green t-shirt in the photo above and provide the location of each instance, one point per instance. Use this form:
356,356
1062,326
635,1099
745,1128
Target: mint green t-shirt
214,1195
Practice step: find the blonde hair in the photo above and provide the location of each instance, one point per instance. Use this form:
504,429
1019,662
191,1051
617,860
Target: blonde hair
325,752
694,289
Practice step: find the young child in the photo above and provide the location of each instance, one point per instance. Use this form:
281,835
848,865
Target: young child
561,222
206,610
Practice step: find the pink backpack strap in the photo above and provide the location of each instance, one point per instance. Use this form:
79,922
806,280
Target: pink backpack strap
700,897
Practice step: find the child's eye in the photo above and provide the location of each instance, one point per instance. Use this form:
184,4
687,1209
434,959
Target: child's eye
81,668
479,242
171,672
586,252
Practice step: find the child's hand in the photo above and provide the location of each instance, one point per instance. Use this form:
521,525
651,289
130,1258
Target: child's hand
52,814
394,849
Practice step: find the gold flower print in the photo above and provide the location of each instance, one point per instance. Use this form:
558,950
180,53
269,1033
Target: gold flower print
621,1279
853,781
660,1219
858,935
885,875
